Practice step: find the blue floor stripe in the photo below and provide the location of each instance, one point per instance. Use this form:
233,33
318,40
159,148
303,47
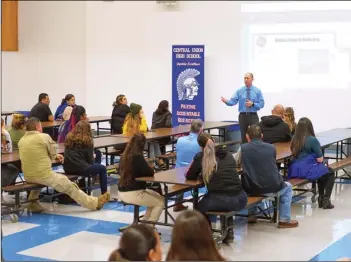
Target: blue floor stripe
339,249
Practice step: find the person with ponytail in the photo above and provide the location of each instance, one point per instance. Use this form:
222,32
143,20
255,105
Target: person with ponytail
218,170
139,242
63,111
289,118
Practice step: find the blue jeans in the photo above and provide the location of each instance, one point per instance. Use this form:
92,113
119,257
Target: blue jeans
285,197
98,156
154,149
97,169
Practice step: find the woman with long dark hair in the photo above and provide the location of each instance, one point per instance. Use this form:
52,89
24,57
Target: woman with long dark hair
218,170
192,239
133,165
138,242
308,162
64,110
79,154
119,113
162,118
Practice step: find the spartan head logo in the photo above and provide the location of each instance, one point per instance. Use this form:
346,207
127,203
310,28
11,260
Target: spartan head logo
187,86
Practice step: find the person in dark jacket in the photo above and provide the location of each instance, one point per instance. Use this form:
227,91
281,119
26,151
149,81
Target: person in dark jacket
79,154
224,189
274,128
119,113
133,165
261,175
162,118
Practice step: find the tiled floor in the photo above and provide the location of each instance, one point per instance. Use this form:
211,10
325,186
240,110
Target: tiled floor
70,232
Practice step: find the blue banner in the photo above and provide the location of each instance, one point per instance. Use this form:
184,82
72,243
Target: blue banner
188,83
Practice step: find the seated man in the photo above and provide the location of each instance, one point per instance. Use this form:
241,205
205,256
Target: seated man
273,127
42,110
36,151
261,175
187,147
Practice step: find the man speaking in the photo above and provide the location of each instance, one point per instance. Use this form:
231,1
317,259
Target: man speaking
250,100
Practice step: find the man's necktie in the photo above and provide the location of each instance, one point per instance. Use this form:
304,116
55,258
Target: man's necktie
248,97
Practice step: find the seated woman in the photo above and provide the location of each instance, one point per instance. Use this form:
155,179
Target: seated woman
289,118
79,155
136,122
78,114
63,111
224,189
162,118
192,239
17,129
308,162
133,165
119,113
138,242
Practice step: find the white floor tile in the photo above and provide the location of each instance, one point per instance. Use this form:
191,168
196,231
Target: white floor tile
83,246
10,228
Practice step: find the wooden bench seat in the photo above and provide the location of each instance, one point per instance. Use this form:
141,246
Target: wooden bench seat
21,187
177,188
112,151
251,201
26,186
168,156
341,164
224,216
296,182
227,143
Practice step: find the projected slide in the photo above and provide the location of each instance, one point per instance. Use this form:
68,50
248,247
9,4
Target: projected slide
296,45
314,55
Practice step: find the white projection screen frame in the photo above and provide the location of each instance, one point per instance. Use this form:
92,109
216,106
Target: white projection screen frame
306,43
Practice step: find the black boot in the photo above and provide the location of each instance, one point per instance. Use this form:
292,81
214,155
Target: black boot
328,191
320,201
229,238
327,204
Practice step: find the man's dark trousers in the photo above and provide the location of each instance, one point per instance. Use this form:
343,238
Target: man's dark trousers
246,120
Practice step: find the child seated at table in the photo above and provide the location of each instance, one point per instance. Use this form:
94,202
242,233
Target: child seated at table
133,165
79,154
218,170
136,122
